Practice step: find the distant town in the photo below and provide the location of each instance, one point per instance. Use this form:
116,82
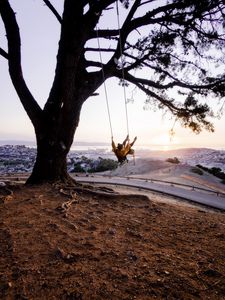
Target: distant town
20,158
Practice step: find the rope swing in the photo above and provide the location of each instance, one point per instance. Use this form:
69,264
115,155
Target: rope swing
123,77
104,83
122,150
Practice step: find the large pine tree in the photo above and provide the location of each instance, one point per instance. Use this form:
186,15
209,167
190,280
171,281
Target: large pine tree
169,44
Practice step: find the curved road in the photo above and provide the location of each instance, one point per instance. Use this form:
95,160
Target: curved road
207,198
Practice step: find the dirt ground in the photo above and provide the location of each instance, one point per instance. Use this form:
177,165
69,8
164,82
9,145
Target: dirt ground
92,243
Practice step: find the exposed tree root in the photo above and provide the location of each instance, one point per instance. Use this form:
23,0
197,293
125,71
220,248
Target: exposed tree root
66,205
99,191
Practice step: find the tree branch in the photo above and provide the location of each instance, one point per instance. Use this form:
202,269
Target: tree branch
175,83
169,104
143,62
4,53
14,60
124,31
91,63
53,10
192,117
101,49
105,33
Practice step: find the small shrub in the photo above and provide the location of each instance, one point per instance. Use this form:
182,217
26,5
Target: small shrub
78,168
174,160
196,171
220,175
202,167
104,165
217,172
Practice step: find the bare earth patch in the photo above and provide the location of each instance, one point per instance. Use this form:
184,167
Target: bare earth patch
58,243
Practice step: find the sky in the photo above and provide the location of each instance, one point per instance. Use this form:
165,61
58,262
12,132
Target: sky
40,31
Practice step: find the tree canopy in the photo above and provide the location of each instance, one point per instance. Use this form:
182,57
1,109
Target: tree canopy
171,50
159,46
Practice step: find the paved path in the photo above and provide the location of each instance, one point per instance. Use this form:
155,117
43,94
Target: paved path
202,197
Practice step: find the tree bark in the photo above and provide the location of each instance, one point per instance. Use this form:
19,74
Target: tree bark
54,138
51,162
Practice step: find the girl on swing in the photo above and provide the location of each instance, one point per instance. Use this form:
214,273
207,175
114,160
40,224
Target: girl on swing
122,150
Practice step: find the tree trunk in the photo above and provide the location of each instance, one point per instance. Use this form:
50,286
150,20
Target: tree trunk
51,159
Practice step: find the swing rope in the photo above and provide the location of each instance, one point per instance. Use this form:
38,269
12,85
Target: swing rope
105,89
122,69
123,77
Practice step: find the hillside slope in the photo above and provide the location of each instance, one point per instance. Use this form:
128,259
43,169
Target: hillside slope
93,243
